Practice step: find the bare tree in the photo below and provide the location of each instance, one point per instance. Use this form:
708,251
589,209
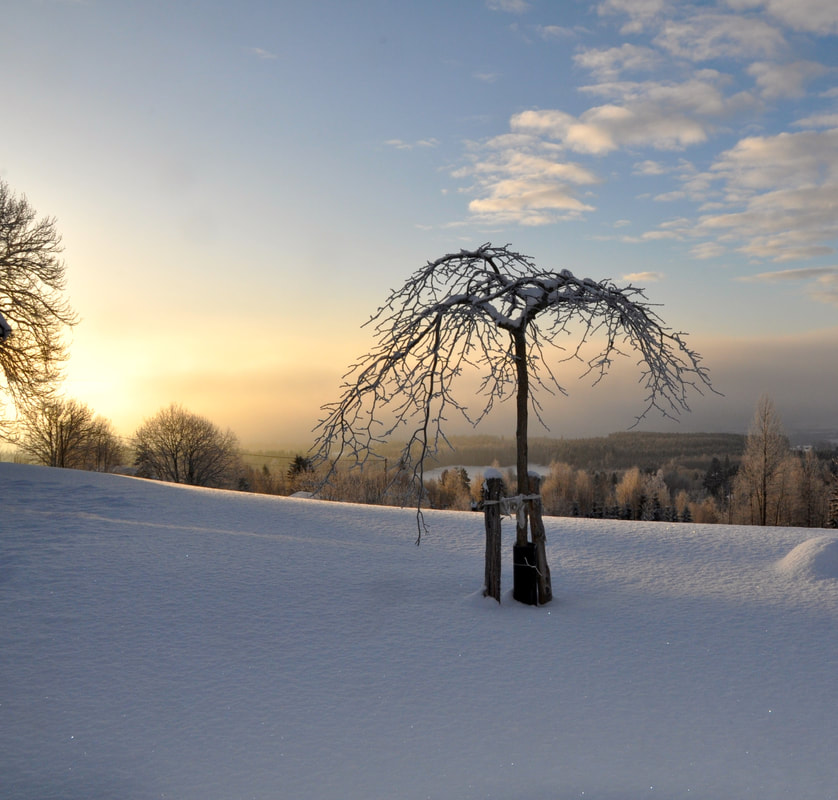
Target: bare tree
33,309
832,504
494,310
60,432
180,447
761,477
105,450
812,491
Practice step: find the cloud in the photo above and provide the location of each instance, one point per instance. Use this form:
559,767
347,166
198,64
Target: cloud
774,200
812,16
657,114
510,6
818,121
527,202
641,13
669,197
821,282
554,32
707,250
400,144
784,80
782,225
704,37
652,168
644,277
767,197
608,63
265,55
801,274
788,159
826,288
520,179
532,157
665,114
781,191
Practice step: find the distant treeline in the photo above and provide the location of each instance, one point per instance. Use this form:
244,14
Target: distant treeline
617,451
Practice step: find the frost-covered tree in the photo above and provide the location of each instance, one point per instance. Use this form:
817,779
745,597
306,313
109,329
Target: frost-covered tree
33,309
761,477
494,310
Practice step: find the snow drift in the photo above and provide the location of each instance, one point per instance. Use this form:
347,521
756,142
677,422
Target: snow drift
815,559
159,641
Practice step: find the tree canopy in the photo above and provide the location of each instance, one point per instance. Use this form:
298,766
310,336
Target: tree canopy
33,308
493,309
178,446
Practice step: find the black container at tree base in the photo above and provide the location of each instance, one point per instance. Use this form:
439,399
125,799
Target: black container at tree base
524,574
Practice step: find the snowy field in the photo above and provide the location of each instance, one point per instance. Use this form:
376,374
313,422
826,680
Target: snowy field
159,641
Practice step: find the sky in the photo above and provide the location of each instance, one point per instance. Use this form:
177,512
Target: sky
240,185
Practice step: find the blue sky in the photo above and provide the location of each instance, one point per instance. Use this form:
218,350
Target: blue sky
240,184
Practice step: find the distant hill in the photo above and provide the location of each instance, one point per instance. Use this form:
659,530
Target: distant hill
615,451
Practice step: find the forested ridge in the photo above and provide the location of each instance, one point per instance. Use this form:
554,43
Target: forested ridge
617,451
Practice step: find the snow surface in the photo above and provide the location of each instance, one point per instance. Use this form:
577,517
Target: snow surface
159,641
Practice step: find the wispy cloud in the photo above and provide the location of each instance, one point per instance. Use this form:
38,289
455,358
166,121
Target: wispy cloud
400,144
649,167
768,198
784,80
669,197
510,6
706,250
818,121
549,32
781,191
704,37
812,16
641,13
644,277
265,55
820,283
783,275
608,63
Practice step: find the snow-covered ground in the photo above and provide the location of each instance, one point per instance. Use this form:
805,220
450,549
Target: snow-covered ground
158,641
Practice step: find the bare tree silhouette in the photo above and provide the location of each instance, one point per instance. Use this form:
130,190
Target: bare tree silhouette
33,309
495,310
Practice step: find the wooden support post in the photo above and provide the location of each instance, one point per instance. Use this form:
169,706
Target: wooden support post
492,490
539,538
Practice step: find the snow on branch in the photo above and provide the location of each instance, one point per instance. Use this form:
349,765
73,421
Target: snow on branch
465,309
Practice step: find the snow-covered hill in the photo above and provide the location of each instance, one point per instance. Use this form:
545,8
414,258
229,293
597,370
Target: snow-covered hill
158,641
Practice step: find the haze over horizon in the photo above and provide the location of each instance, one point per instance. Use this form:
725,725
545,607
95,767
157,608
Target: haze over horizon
239,186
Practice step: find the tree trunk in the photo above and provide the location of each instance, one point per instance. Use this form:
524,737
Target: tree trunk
527,484
491,511
519,337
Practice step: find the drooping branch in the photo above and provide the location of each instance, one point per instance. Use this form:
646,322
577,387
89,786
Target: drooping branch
492,309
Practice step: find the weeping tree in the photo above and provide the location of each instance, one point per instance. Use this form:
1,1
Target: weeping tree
493,310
